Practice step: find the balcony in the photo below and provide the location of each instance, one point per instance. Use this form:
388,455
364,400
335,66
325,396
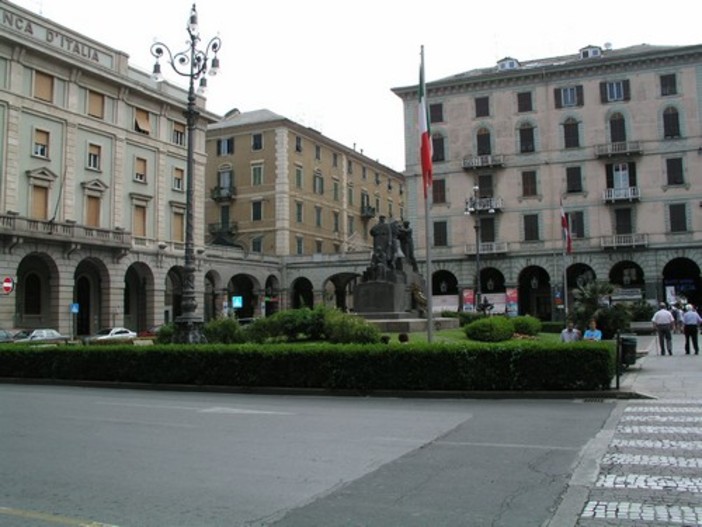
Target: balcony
614,195
490,205
624,148
367,212
219,229
483,161
624,241
223,193
487,248
69,232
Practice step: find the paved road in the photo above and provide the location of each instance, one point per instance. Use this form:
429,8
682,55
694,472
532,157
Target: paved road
84,456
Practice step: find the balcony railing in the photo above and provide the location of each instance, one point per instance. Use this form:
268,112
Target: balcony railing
483,161
367,212
487,248
611,195
616,149
486,204
624,240
64,231
223,193
222,229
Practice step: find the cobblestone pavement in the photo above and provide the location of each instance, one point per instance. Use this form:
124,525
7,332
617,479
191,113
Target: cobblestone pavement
650,473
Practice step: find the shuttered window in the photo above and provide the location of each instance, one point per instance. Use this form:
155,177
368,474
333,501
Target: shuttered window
96,105
139,226
40,203
142,123
43,86
178,226
41,143
140,169
92,211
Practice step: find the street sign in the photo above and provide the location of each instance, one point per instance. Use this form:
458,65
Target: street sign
8,285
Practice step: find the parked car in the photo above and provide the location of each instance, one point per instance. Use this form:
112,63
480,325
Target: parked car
44,336
112,335
6,336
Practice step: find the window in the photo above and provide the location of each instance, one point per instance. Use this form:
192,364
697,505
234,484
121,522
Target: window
526,139
569,96
299,208
574,180
621,177
529,183
335,159
318,246
40,203
440,234
483,141
299,177
139,221
336,191
179,134
94,157
96,105
531,227
390,209
256,210
524,102
485,186
487,229
482,106
349,225
43,86
623,223
256,141
436,113
178,176
576,223
178,226
613,91
674,171
225,146
142,121
349,195
298,143
438,190
678,217
257,244
318,216
668,85
299,245
318,183
41,144
571,135
140,169
92,211
349,167
377,176
257,175
617,128
437,145
671,123
318,152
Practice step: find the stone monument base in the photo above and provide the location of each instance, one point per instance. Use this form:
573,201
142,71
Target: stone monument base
410,325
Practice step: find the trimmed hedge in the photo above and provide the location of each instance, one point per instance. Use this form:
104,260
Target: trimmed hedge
513,365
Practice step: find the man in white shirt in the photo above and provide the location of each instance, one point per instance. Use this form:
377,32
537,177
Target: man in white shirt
663,322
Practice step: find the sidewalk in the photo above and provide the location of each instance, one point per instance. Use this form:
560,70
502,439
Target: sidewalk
664,377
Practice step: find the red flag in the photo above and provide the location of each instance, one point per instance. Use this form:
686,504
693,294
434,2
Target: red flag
566,231
425,146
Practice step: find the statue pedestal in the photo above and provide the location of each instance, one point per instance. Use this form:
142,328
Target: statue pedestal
379,296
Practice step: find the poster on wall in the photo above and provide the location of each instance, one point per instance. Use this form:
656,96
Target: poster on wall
511,299
468,300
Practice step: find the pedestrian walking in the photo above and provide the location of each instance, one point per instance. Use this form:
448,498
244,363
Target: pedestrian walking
664,322
691,323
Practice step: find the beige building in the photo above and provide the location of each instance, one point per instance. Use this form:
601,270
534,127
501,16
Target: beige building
613,134
276,187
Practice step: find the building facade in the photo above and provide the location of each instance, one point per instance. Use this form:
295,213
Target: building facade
611,138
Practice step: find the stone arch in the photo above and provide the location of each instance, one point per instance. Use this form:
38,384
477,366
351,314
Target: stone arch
139,297
272,298
534,293
213,303
91,291
338,290
247,287
301,293
681,276
37,293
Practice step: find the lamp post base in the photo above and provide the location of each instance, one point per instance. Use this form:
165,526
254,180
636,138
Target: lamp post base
188,330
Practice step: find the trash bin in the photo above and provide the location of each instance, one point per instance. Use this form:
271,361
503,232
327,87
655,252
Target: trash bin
628,350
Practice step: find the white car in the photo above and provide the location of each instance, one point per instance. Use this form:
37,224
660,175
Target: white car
112,334
41,335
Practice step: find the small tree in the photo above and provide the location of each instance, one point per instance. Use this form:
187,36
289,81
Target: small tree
592,302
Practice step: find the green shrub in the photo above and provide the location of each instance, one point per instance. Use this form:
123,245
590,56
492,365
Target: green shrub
341,328
527,325
223,330
164,335
552,327
641,311
490,329
449,314
466,317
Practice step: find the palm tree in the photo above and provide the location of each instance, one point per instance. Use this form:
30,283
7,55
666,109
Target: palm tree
592,302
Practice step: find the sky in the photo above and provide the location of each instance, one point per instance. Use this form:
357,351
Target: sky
331,64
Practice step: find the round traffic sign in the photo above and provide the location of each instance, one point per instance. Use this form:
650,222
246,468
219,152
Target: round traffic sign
8,285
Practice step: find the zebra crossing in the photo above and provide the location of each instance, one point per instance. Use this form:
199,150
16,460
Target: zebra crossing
651,473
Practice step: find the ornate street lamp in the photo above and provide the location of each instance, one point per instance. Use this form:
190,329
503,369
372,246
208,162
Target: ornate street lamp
192,63
474,205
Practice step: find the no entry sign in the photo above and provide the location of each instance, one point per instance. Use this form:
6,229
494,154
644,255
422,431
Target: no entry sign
8,285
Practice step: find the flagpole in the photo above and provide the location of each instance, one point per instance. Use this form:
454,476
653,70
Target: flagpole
565,234
425,163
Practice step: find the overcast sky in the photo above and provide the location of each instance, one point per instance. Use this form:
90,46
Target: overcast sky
331,65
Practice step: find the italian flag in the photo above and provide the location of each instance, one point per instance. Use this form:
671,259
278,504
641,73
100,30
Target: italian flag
567,239
425,147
